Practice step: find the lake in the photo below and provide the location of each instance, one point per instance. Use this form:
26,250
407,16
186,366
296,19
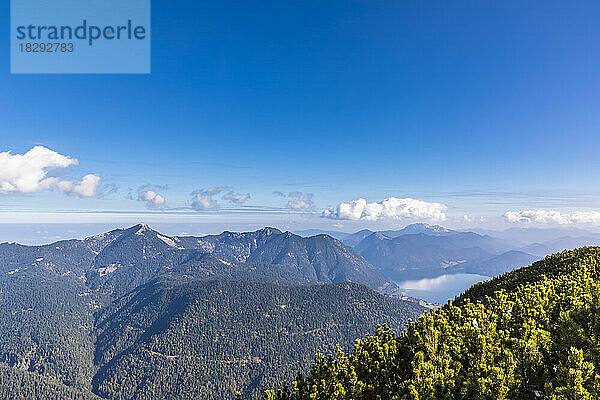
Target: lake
440,288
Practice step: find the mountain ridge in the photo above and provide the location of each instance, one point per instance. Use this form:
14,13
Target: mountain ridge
129,251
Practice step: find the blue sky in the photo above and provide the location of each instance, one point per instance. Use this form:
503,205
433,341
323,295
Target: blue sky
484,107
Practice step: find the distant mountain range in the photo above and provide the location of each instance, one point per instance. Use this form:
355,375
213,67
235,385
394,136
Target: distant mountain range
498,265
562,243
441,252
423,250
355,238
429,250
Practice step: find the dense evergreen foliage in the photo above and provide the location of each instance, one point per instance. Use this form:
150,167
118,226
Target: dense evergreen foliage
211,339
22,385
176,338
532,333
46,324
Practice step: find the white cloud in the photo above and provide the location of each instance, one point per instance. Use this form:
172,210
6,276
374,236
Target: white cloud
586,217
35,171
390,208
553,217
203,199
201,202
151,198
87,187
236,198
302,201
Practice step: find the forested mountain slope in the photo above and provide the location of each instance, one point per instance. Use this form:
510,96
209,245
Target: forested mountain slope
46,323
132,313
16,384
191,264
531,333
211,339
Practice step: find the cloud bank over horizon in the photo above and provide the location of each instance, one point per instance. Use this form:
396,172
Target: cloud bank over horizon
553,217
41,169
392,208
